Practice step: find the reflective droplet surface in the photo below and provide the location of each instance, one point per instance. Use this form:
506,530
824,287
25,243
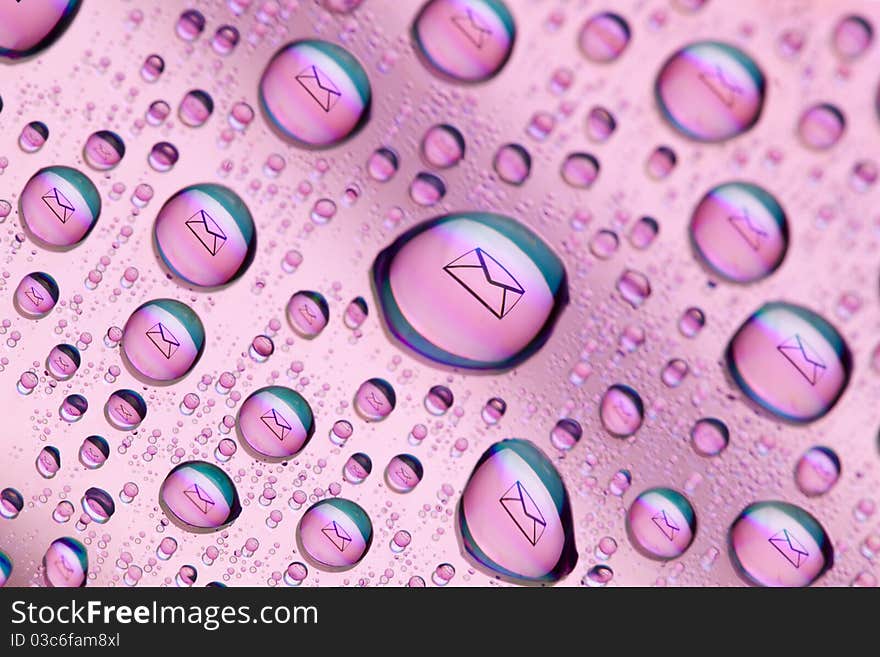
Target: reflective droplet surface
817,471
439,400
125,409
494,410
661,523
496,290
66,563
601,124
11,503
375,399
691,322
821,126
634,287
357,468
356,313
852,36
48,462
427,189
73,408
98,504
59,207
515,515
443,146
199,497
275,422
190,25
383,164
94,452
335,534
36,295
315,93
779,544
621,411
790,361
63,361
195,108
103,150
709,436
33,136
566,434
28,30
206,235
5,568
464,40
740,231
164,155
152,68
163,340
513,164
604,37
403,473
710,91
661,162
644,232
308,313
580,170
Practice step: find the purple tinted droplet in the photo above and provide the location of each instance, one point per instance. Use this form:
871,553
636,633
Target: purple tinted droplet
661,523
157,112
103,150
357,468
198,497
691,322
59,207
674,373
261,348
779,544
604,244
621,411
295,574
195,108
598,576
852,36
28,30
98,504
63,362
740,231
710,91
48,462
790,361
11,503
604,37
601,124
334,534
65,564
125,409
94,452
355,313
464,40
315,93
438,400
36,295
566,434
427,189
580,170
375,399
821,126
403,473
341,6
225,39
383,164
817,470
190,25
340,432
163,340
323,211
163,156
152,68
493,410
308,313
709,436
513,164
443,146
644,232
73,408
661,162
634,287
275,423
864,175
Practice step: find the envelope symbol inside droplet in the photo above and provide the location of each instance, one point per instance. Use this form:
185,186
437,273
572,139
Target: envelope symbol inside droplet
487,280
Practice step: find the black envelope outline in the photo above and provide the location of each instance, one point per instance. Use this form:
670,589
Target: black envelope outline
62,200
163,330
469,25
520,495
750,232
666,524
34,296
726,92
324,84
204,218
482,255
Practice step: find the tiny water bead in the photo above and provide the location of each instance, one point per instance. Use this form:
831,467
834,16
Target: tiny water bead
740,231
566,434
125,409
403,473
190,25
66,563
275,423
36,295
710,91
163,340
790,361
604,244
11,503
661,162
644,232
691,322
621,411
661,523
94,452
315,93
48,461
59,207
308,313
604,37
340,432
817,471
776,543
225,39
495,290
73,408
63,361
674,372
375,399
199,497
513,164
33,136
852,36
821,126
28,31
383,164
262,347
494,410
195,108
464,40
356,313
439,400
357,468
98,504
443,146
152,68
335,534
709,436
296,573
515,515
156,114
580,170
103,150
601,124
427,189
163,156
206,235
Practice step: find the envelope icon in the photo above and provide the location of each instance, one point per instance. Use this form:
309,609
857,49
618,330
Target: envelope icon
665,525
375,402
751,233
62,363
58,204
34,296
807,361
524,512
726,91
125,412
473,28
487,280
164,340
307,314
337,535
320,87
404,475
207,231
276,423
789,547
200,498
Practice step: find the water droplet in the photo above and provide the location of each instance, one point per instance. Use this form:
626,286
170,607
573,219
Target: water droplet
199,497
103,150
334,534
275,423
621,411
661,523
817,470
403,473
604,37
59,207
513,164
163,340
375,399
443,146
195,108
66,563
709,436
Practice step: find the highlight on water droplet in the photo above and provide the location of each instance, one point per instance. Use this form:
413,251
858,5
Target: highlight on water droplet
59,207
36,295
199,497
375,399
403,473
513,164
125,409
709,436
661,523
